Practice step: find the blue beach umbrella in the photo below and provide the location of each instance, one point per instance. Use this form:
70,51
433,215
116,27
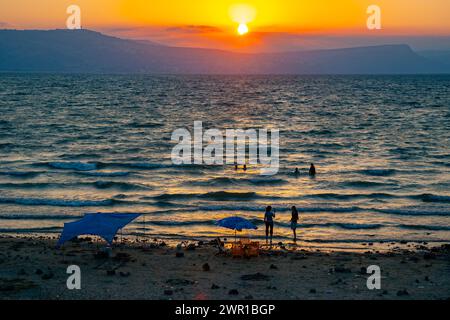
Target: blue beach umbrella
236,224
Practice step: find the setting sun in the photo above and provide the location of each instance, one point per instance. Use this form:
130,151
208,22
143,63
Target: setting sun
242,29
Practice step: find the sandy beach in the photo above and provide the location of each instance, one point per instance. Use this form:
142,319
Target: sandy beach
31,268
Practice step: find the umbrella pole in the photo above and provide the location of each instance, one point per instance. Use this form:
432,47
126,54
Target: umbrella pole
145,233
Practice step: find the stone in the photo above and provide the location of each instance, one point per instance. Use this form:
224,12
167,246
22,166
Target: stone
233,292
403,292
206,267
168,292
255,277
110,272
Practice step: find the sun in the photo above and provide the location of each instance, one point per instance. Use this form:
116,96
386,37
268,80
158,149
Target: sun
242,29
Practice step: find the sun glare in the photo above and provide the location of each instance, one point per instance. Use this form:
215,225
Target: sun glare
242,29
242,14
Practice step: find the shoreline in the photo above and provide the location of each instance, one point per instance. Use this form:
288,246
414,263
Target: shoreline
32,268
357,246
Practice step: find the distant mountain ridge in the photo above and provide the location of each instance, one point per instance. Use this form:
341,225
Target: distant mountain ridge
85,51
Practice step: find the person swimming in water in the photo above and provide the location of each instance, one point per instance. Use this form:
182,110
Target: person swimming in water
269,215
294,220
312,170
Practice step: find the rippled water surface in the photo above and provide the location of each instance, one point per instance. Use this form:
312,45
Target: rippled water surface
83,143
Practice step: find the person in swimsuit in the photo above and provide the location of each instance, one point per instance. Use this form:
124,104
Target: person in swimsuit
312,170
294,220
269,215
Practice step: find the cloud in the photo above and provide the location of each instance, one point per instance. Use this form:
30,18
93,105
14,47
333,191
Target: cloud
194,29
5,25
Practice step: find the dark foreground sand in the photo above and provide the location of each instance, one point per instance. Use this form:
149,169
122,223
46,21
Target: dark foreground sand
33,269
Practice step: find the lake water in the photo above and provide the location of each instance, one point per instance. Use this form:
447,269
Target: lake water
71,144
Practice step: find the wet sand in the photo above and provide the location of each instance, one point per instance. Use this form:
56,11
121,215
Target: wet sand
31,268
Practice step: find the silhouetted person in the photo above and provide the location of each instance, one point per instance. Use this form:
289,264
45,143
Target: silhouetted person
294,220
269,215
235,167
245,167
312,170
296,172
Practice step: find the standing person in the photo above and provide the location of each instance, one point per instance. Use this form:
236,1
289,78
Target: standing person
312,170
269,215
294,220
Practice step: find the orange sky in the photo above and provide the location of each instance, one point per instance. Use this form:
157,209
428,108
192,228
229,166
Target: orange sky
213,23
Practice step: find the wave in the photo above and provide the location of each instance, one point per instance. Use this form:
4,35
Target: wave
412,212
144,125
77,166
378,172
340,196
120,185
347,226
97,184
6,145
428,197
171,223
155,166
31,230
318,132
226,195
38,217
21,174
81,156
59,202
104,174
133,165
278,209
28,185
365,184
216,195
223,181
424,227
165,204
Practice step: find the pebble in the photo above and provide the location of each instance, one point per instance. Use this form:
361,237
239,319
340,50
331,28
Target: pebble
403,292
168,292
110,272
206,267
233,292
